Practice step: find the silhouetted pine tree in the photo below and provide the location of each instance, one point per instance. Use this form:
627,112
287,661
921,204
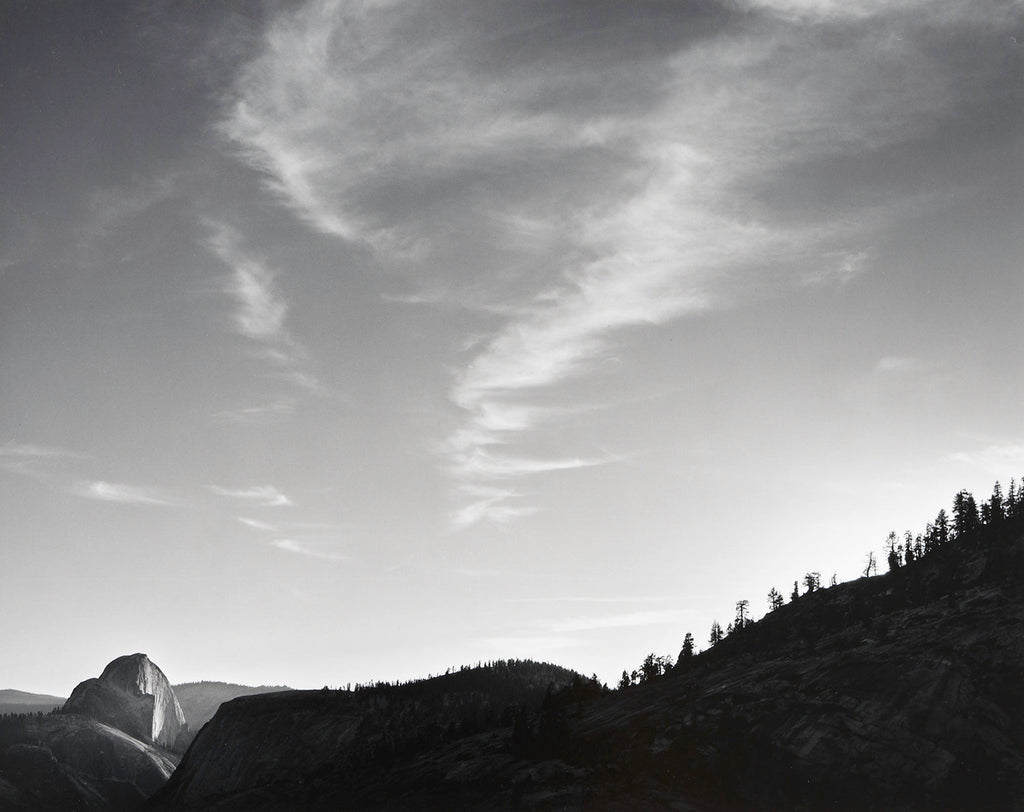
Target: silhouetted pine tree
741,614
686,653
965,515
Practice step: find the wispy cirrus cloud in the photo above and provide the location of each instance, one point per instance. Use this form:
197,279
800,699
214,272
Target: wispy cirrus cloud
39,462
122,493
257,414
113,208
484,502
312,539
256,524
259,315
899,365
306,548
574,202
55,466
257,495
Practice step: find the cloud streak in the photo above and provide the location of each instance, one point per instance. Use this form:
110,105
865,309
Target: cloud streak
103,491
615,205
305,549
39,462
257,495
259,315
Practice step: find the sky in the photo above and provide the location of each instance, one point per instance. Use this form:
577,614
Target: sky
351,341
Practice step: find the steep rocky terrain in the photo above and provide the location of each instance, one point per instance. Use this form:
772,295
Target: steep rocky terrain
903,691
103,750
132,695
70,762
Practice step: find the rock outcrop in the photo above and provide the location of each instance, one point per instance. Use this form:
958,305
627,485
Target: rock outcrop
134,696
63,762
108,748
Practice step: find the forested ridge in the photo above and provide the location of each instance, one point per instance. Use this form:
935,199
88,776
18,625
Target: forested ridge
925,564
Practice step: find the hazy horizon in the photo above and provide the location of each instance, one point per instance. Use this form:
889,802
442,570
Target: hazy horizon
344,342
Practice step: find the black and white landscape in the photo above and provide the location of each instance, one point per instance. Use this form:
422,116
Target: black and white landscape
477,353
896,691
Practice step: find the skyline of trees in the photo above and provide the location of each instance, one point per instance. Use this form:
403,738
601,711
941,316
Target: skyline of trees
969,519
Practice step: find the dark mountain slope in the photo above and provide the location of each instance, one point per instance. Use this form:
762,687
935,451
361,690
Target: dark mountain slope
344,749
199,700
902,691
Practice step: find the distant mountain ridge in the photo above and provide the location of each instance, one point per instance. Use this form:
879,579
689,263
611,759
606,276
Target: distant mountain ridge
14,701
200,700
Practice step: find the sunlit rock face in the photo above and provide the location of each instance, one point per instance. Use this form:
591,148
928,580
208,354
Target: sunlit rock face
133,695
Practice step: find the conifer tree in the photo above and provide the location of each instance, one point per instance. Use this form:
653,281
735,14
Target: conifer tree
741,614
941,528
686,654
716,633
775,599
965,515
997,507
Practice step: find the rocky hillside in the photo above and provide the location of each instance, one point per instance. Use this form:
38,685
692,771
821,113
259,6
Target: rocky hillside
70,762
903,691
132,695
102,751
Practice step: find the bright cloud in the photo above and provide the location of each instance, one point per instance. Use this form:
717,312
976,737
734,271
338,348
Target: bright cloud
124,494
303,548
613,203
258,495
897,364
34,461
259,315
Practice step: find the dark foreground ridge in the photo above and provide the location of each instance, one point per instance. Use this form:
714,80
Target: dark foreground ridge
898,691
